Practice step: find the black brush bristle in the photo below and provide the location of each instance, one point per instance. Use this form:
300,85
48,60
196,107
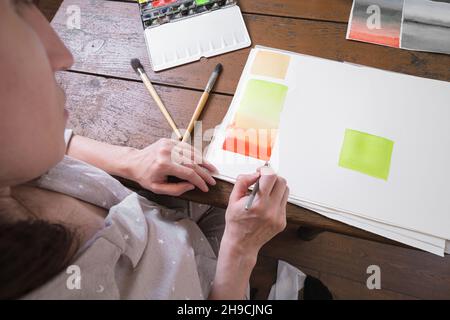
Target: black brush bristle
218,68
136,64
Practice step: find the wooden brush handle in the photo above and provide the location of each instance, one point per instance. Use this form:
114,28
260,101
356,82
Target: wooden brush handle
198,111
160,104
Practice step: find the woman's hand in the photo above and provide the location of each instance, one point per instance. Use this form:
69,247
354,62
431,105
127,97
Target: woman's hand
247,231
152,166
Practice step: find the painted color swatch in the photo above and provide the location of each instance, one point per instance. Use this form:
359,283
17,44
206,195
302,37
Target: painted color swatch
366,153
426,25
271,64
255,125
376,21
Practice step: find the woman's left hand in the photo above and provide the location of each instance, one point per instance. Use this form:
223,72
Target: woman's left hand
152,166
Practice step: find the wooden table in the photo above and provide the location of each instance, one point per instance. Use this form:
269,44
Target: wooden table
108,102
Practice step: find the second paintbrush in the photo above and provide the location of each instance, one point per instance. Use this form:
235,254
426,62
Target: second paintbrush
139,69
204,98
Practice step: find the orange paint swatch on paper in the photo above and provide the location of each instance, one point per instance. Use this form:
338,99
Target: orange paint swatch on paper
256,122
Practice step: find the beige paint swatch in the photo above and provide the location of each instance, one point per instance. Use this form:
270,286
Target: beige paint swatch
271,64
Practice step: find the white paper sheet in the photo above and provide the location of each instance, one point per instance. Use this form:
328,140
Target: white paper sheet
385,104
325,98
411,238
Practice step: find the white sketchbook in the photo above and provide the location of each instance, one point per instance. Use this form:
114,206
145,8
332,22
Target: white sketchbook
368,147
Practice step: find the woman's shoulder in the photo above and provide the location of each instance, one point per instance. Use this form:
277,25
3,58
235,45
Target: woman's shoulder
139,253
83,181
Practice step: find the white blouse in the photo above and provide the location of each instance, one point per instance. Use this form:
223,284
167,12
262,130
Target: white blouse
144,250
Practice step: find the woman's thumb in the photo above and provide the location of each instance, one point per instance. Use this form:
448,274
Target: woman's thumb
243,182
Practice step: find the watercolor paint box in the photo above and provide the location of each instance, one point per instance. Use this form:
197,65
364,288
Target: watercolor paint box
182,31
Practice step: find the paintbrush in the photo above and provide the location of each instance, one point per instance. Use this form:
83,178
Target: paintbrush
204,98
139,69
255,190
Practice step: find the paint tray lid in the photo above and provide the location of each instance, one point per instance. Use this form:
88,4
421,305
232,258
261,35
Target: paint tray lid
206,35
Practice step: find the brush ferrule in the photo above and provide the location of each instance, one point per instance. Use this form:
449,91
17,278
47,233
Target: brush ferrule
140,71
211,82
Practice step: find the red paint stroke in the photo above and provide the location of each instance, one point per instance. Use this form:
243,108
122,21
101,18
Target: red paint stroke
247,145
385,36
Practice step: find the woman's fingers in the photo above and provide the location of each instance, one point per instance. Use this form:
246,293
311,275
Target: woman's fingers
187,174
172,189
189,152
242,184
202,172
284,199
209,166
267,180
278,190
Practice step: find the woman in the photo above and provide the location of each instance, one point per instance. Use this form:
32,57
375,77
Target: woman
70,230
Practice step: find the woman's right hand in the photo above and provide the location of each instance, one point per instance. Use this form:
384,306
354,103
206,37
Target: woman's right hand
248,231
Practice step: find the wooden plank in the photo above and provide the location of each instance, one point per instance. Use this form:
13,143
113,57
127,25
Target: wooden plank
123,113
411,272
265,273
345,289
111,34
326,10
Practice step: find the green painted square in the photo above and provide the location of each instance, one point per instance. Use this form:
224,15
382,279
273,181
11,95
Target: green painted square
201,2
366,153
261,105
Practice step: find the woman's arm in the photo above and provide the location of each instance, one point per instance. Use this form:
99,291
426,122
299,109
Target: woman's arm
110,158
245,232
234,267
150,167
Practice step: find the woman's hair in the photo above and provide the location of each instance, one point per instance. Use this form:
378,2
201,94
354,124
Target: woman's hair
32,252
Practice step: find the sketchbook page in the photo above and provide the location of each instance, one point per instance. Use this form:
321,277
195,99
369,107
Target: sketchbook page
414,239
230,164
435,241
410,233
312,127
325,99
388,231
413,234
382,231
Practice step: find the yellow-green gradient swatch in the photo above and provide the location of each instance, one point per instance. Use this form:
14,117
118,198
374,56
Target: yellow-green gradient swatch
366,153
